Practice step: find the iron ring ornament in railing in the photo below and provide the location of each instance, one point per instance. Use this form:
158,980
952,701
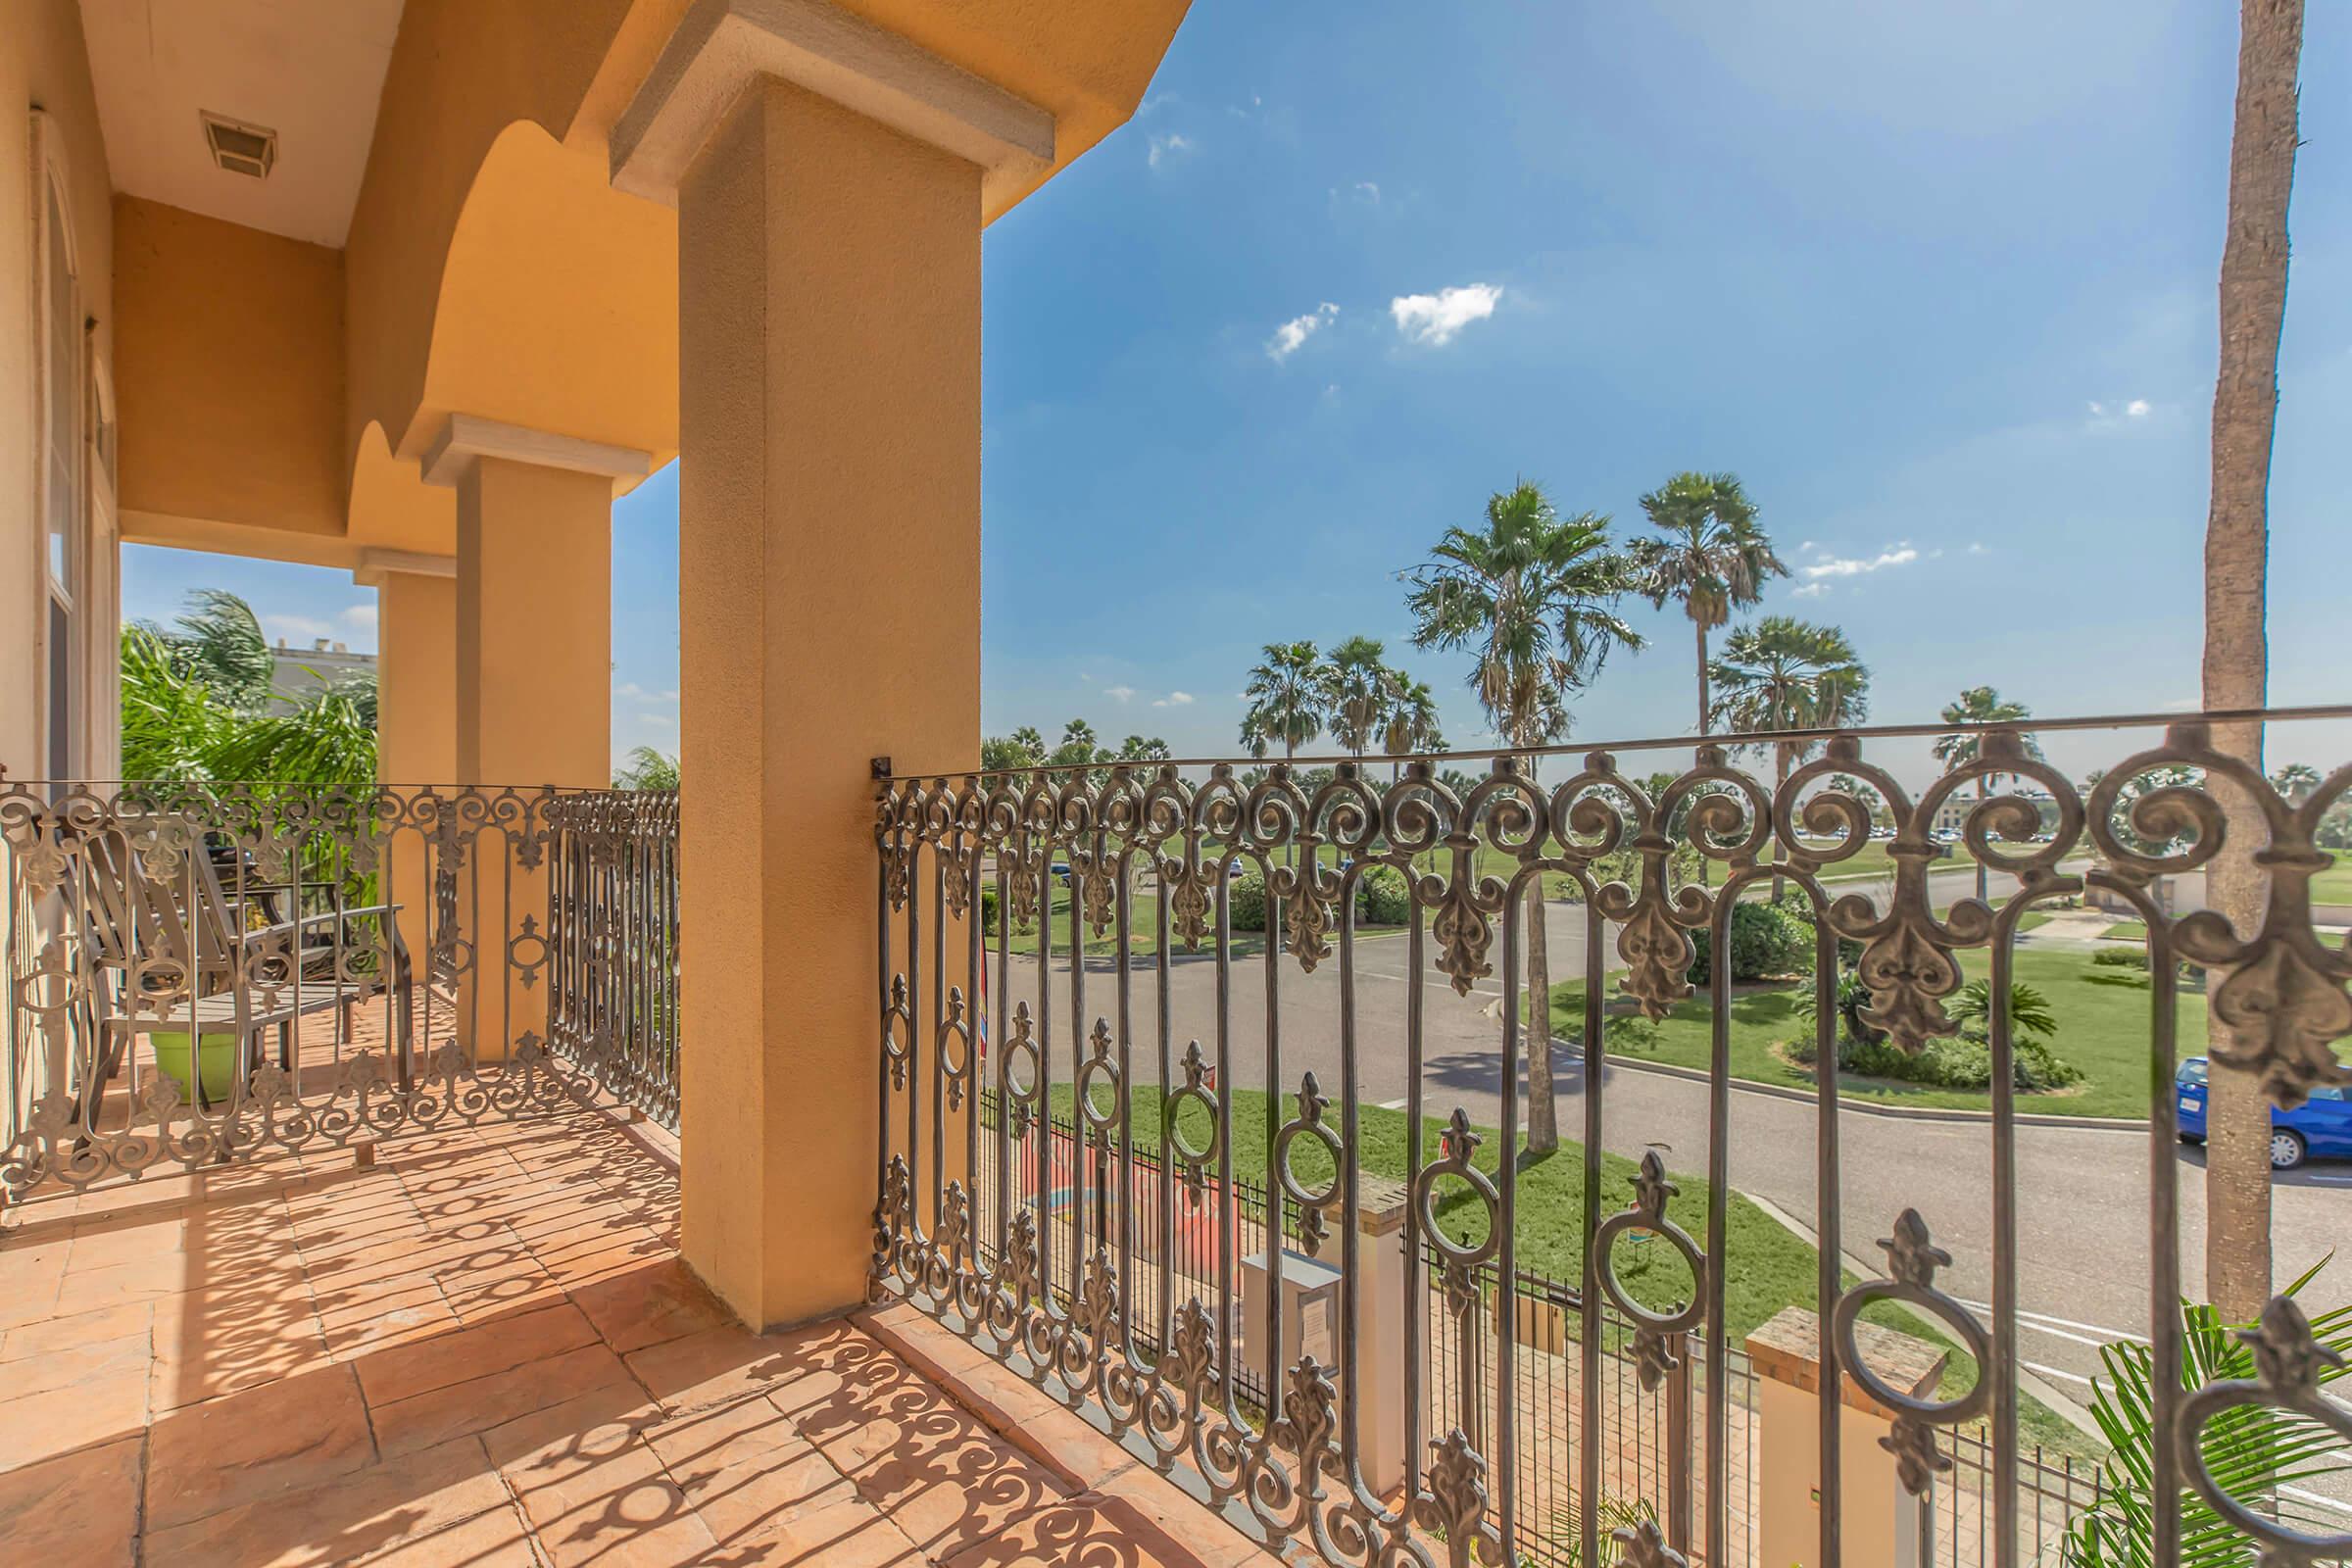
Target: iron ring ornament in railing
2287,1362
268,930
1064,1279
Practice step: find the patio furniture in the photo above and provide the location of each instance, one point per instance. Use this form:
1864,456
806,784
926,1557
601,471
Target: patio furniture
190,956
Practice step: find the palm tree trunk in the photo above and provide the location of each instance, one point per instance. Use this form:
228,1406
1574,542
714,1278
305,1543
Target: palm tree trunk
1543,1115
2245,402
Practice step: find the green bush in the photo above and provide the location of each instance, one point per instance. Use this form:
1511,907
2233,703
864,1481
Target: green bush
1949,1061
1799,908
1246,900
1383,898
2121,958
987,909
1764,942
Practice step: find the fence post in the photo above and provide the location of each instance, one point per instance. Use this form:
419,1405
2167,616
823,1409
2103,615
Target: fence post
1880,1524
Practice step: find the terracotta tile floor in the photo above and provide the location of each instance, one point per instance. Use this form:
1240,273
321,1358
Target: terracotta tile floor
484,1350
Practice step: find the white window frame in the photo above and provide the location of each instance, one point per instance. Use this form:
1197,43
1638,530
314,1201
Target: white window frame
52,202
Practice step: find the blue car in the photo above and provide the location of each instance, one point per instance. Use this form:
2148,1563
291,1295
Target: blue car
2320,1126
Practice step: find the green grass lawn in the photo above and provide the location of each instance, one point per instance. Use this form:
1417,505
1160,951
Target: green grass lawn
2126,931
2333,885
1768,1268
2102,1017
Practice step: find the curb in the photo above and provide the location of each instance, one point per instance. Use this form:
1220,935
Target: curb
2022,1118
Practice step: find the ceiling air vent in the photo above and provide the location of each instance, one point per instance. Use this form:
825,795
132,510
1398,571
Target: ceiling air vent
240,148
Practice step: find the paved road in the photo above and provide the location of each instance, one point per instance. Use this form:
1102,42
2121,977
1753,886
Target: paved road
2083,1232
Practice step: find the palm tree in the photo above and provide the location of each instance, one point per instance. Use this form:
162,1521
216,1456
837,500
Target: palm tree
1784,673
1358,681
218,641
1979,706
1290,699
1533,596
648,769
1411,722
2245,411
1712,561
2295,781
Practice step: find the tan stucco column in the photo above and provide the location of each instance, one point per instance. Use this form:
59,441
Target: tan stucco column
829,565
533,671
415,708
1878,1521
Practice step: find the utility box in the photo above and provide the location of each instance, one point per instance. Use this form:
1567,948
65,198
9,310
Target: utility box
1314,1323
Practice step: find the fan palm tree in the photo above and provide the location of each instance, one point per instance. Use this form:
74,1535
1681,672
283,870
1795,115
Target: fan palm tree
1533,596
1784,673
2236,663
2295,781
1290,699
1358,681
1411,722
1979,706
1712,561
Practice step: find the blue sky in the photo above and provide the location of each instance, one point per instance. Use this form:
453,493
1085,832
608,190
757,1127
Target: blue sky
1937,283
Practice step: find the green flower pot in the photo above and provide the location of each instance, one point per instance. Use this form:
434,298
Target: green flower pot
216,1062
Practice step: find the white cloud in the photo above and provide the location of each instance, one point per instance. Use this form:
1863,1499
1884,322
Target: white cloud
1978,550
1809,590
2132,409
1173,699
295,628
1857,565
362,616
2098,409
1118,694
1807,548
630,691
1434,319
2136,408
1298,329
1368,191
1172,145
664,721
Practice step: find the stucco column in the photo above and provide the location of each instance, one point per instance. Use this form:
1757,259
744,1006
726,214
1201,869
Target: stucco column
415,710
533,678
1878,1521
829,566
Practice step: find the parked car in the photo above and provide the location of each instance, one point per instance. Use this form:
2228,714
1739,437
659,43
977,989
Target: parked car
2320,1126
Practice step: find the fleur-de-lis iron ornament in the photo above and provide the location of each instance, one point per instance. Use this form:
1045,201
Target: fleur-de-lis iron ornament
1644,1546
1453,1504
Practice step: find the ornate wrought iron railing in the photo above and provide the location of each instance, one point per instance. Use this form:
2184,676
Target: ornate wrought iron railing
199,972
1078,945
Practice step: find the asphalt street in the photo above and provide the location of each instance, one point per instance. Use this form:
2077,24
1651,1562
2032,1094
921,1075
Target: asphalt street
2083,1212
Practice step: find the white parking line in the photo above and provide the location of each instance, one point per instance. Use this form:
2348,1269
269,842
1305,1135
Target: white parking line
2055,1372
2057,1326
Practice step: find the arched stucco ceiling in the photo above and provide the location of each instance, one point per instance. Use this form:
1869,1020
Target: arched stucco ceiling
559,304
392,507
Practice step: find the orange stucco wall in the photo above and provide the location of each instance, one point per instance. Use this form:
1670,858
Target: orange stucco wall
461,73
231,373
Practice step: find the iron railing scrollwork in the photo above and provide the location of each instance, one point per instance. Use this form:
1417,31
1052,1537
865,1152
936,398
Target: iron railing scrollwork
200,972
1072,1271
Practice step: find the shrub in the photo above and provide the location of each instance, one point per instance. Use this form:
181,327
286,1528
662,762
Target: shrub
1764,940
1950,1062
987,909
2121,958
1383,898
1799,908
1246,900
